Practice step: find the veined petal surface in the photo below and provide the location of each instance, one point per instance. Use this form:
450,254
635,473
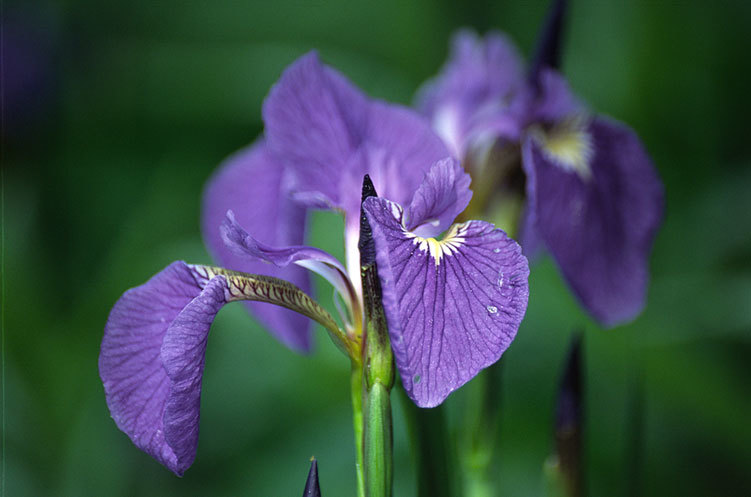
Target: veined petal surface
315,120
256,188
597,213
152,359
443,195
453,306
153,351
331,135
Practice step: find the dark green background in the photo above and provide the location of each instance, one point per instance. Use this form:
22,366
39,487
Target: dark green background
105,161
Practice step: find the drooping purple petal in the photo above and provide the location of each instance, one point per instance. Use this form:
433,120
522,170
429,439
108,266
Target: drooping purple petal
316,260
597,213
256,188
152,359
443,195
453,306
471,99
529,237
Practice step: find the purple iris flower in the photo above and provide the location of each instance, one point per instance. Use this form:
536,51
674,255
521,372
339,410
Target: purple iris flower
592,196
453,305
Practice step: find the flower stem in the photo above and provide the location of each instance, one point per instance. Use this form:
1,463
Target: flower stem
481,433
357,419
378,442
430,447
378,367
378,379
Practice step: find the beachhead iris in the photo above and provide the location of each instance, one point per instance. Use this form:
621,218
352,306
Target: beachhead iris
451,306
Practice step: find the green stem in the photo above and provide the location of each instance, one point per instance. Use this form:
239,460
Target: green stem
378,379
357,419
554,483
378,442
481,433
378,366
429,440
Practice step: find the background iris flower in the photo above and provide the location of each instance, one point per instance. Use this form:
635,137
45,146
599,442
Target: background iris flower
589,193
452,306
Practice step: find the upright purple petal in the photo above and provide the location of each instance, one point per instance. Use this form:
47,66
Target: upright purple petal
452,306
554,101
443,195
315,121
398,150
152,359
471,97
332,135
255,187
597,208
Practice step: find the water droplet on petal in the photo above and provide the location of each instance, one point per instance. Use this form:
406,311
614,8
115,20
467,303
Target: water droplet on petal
416,379
492,309
496,250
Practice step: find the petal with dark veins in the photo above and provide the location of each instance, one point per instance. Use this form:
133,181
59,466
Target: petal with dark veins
452,306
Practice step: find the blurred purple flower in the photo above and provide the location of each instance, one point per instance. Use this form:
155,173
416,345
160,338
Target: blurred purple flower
593,197
453,306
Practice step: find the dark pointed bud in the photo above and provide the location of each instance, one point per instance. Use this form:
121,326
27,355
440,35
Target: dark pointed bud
569,421
366,243
311,486
549,42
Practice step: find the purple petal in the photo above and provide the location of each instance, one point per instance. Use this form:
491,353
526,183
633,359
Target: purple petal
315,121
332,135
470,97
555,100
443,195
400,148
255,187
599,217
316,260
529,236
152,358
452,307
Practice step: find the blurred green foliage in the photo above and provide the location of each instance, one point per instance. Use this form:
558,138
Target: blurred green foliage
104,165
